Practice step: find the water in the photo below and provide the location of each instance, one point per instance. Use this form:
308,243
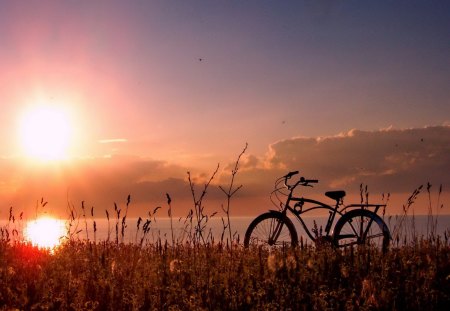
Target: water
160,228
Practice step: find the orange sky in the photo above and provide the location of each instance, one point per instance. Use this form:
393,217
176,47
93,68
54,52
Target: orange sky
348,93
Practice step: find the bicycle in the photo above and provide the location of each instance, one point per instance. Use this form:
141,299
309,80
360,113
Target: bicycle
357,223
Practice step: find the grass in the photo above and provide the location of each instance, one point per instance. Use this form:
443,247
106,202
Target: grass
196,273
107,276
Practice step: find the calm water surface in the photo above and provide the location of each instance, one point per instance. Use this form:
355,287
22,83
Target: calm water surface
160,228
214,227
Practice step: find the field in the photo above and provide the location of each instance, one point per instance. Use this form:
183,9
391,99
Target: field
198,273
109,276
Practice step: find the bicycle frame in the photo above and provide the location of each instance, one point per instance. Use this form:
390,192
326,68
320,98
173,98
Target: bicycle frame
343,227
318,205
333,210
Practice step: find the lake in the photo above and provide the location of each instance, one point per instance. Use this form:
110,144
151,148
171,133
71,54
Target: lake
161,228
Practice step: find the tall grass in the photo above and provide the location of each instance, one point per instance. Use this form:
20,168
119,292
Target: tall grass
230,191
107,276
192,271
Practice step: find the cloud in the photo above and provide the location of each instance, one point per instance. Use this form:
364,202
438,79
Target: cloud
114,140
388,160
98,181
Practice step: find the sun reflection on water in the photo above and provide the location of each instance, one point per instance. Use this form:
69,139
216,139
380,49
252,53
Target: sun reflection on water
45,232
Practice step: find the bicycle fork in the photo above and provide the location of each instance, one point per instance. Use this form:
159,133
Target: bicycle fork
275,231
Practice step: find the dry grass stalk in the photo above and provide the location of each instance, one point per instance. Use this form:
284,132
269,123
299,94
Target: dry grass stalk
231,190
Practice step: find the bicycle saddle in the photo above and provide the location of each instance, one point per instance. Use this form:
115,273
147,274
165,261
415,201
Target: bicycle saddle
335,195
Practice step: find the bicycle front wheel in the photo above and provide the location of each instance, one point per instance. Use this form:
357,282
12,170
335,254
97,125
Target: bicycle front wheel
271,229
361,227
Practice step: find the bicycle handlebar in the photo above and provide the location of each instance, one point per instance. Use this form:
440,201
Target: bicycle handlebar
308,181
302,180
290,174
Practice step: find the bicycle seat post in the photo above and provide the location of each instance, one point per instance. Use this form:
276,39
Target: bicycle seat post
330,220
338,196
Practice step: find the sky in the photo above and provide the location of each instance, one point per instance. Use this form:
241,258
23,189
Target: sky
348,92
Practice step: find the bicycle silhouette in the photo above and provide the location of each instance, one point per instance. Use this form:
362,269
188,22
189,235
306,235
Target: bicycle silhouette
357,225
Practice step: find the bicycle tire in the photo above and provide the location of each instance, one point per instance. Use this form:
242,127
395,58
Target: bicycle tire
352,229
262,227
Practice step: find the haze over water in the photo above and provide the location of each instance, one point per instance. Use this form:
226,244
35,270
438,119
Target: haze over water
161,228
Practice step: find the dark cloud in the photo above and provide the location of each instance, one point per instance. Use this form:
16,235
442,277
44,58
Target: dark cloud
388,160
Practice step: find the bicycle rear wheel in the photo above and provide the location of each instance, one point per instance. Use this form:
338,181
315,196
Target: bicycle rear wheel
271,229
361,227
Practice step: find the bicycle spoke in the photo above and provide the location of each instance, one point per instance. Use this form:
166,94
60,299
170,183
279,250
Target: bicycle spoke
355,227
369,225
353,230
270,230
361,228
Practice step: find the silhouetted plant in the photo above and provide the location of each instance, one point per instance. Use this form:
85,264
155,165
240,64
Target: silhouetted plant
117,211
169,212
106,276
72,223
200,217
85,221
94,224
400,228
124,218
433,215
364,194
109,225
231,190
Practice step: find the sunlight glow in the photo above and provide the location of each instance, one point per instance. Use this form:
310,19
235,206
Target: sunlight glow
45,133
45,232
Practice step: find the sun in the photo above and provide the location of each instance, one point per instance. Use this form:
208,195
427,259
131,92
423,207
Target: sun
45,232
45,133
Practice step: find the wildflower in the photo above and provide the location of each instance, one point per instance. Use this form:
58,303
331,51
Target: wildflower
248,299
272,262
11,271
174,266
291,263
344,272
113,266
367,289
310,263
